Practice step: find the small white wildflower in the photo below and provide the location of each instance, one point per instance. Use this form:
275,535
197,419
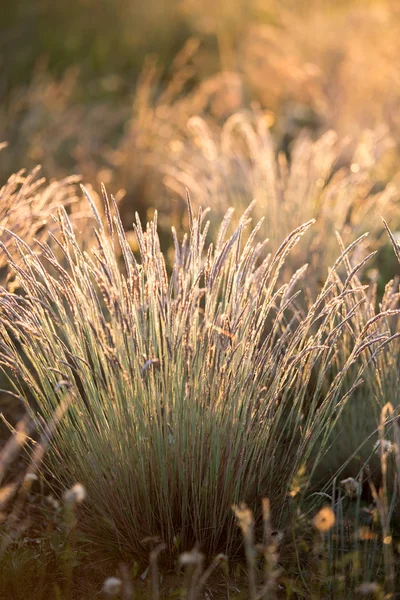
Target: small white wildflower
351,485
112,586
53,502
30,477
385,444
221,558
75,495
277,537
190,558
367,588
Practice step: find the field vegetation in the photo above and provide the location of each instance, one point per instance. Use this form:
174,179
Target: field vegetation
199,301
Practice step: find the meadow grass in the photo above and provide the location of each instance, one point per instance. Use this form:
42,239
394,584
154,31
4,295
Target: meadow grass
229,403
331,180
26,203
171,395
334,79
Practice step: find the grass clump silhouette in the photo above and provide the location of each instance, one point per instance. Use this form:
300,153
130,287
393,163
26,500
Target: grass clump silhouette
192,390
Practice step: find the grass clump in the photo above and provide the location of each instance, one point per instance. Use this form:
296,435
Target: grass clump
26,203
339,183
189,391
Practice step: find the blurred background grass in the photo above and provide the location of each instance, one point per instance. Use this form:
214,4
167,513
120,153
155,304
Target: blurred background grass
312,63
301,60
105,89
152,97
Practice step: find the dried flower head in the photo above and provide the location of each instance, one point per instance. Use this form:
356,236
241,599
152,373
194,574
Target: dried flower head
75,495
386,446
245,518
112,586
324,520
351,485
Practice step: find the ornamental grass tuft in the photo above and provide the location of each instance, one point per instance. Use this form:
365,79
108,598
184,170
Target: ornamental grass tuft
183,390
